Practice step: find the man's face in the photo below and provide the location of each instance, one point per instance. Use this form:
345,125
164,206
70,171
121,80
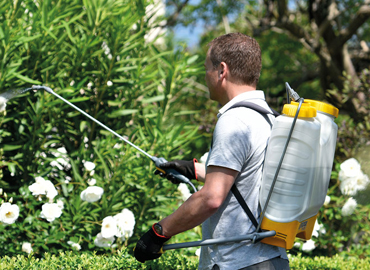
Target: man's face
211,78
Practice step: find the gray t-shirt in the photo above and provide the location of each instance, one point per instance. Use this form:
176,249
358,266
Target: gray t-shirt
239,142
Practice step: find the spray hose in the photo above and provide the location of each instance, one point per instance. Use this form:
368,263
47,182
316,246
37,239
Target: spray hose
157,161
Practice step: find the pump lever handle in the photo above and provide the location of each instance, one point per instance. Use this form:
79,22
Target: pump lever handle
182,178
158,161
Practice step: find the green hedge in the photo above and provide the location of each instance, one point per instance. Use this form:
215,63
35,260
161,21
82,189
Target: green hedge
171,260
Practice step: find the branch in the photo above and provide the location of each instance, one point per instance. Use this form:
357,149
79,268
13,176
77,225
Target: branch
363,14
224,18
360,55
296,31
172,20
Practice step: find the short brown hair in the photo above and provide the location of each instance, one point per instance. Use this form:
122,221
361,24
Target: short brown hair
241,53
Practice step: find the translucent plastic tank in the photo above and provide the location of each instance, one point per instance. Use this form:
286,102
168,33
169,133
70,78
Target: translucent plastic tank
303,179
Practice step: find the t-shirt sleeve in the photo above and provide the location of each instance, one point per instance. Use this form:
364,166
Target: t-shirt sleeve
231,144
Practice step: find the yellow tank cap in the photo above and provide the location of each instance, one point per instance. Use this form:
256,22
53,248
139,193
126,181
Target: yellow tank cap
324,107
306,109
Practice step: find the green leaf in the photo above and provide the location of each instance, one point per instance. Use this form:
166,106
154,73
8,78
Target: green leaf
122,113
153,99
10,147
26,79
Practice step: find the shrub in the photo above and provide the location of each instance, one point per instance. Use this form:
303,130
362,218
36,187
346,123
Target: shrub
97,55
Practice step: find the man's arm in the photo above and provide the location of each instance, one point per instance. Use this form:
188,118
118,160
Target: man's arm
200,169
202,204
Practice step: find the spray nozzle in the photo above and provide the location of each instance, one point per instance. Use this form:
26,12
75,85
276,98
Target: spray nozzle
293,94
38,87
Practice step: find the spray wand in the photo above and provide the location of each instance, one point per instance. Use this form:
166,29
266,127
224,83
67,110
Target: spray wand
157,161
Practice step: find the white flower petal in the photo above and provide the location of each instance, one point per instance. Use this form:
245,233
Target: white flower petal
308,246
100,241
109,227
349,207
89,166
92,194
26,247
125,223
204,158
350,168
184,190
9,213
50,211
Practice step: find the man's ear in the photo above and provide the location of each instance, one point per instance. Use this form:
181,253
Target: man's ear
222,70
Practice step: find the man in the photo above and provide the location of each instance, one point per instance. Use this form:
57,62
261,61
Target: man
233,66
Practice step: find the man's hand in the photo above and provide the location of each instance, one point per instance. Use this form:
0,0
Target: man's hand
185,167
149,246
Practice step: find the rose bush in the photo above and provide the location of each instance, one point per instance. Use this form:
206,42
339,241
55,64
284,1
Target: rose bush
343,224
74,185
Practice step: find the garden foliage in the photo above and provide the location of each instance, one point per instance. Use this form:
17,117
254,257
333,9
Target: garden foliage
70,178
171,261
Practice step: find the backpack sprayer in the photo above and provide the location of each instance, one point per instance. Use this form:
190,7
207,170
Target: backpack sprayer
157,161
296,174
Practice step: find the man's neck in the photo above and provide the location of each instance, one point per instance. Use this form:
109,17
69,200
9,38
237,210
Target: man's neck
234,90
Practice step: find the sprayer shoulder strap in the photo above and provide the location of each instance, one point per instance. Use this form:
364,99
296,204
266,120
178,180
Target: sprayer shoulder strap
234,189
256,108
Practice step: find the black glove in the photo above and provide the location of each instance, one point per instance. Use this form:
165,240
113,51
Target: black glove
185,167
149,246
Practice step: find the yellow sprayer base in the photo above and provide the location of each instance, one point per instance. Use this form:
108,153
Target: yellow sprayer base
287,232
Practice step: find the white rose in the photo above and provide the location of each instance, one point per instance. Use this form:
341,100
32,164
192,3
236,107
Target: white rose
109,227
38,187
362,181
50,211
62,150
100,241
184,190
50,190
125,223
26,247
55,163
92,194
347,187
2,103
91,181
350,185
204,158
197,252
64,162
9,213
308,246
327,200
109,83
349,168
89,166
318,228
75,246
60,204
349,207
90,85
